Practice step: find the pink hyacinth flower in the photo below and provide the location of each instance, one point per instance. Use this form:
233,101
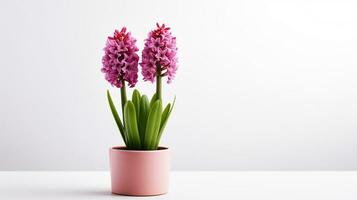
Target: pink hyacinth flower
159,51
120,60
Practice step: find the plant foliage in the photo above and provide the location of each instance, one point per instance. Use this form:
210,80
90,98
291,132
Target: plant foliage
144,122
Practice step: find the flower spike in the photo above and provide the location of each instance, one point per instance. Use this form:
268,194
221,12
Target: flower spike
159,54
120,61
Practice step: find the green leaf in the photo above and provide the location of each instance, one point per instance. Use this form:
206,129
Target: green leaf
164,119
136,101
116,117
144,112
131,125
165,114
153,100
153,125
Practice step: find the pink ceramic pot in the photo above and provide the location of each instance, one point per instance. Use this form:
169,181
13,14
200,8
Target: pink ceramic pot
139,173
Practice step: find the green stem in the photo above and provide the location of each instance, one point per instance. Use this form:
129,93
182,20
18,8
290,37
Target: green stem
123,97
158,82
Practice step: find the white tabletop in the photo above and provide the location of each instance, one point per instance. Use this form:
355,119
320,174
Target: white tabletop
242,185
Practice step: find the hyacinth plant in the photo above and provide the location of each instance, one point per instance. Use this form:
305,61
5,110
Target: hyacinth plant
142,122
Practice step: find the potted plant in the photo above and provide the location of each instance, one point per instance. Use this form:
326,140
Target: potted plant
141,167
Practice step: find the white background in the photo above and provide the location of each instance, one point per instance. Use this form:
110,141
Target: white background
261,84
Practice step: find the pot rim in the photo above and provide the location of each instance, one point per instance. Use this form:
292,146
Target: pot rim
121,149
